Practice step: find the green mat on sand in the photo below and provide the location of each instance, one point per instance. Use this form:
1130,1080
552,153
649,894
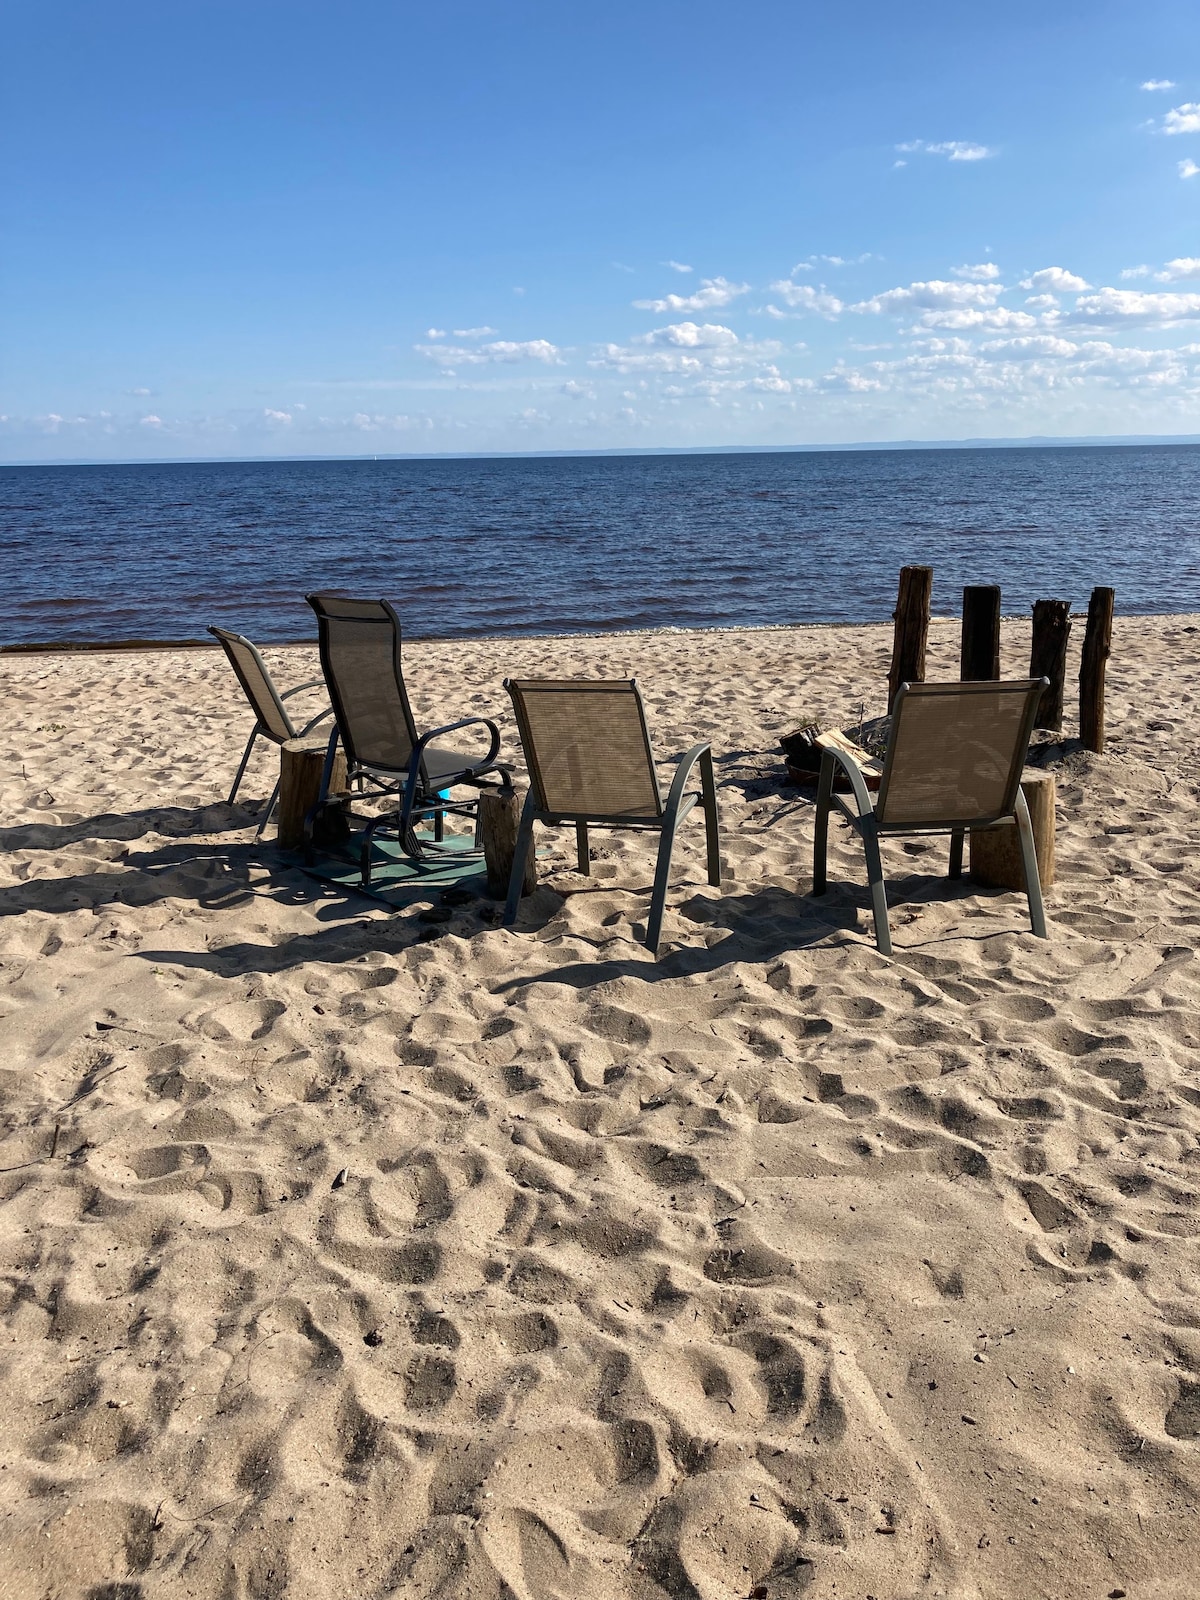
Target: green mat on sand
397,880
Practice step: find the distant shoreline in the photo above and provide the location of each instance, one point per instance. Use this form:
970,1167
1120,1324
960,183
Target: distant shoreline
1032,442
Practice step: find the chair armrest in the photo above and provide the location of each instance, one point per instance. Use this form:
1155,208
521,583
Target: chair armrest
682,773
300,687
312,721
837,749
452,727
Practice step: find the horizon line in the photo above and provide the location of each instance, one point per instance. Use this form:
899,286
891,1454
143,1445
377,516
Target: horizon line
1026,442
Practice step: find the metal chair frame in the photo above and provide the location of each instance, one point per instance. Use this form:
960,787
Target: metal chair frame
260,728
869,816
665,822
419,795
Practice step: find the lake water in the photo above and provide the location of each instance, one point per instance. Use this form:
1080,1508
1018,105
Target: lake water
564,544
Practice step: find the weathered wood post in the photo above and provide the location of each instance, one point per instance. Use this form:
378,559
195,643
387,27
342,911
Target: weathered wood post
300,765
499,819
996,852
1097,642
1048,658
912,629
980,658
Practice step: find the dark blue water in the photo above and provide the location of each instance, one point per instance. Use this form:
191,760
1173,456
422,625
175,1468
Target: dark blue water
566,544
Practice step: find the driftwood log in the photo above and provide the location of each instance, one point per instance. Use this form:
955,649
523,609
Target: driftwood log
996,852
1048,658
980,657
300,765
1097,642
499,819
912,629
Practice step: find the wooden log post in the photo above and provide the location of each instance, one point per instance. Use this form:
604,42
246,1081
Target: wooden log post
301,762
980,657
1048,658
499,819
1097,643
996,852
911,632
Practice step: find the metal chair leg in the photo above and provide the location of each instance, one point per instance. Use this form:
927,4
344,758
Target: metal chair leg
1033,881
270,811
582,853
708,790
520,856
883,934
662,878
956,852
821,826
241,769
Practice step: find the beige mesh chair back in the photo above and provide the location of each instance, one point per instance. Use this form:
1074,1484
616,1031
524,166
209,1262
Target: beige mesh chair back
954,761
590,762
385,754
271,716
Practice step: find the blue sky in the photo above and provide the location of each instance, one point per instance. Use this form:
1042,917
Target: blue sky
260,228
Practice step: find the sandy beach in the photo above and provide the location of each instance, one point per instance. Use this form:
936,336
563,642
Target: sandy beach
346,1256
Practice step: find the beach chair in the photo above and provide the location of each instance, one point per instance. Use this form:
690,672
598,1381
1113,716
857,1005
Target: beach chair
590,762
271,717
385,754
953,764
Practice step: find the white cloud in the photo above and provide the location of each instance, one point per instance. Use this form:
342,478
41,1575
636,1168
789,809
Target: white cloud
994,318
677,266
276,416
712,293
141,393
1183,119
435,333
1042,302
984,272
577,391
1155,84
1029,347
1134,308
147,422
955,149
472,333
621,267
803,297
845,380
689,349
1181,267
1188,168
930,296
1056,279
500,351
691,336
1136,272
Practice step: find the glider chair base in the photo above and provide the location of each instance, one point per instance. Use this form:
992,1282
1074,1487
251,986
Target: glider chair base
420,800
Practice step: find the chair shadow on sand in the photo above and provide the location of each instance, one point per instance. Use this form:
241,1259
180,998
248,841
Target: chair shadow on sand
760,924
